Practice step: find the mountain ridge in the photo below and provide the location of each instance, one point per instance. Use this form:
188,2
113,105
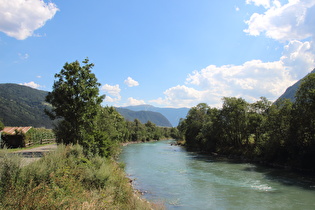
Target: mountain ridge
172,114
291,91
144,116
24,106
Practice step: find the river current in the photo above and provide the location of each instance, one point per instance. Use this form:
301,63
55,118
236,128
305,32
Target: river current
186,180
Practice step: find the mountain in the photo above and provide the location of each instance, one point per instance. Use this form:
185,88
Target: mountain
290,91
23,106
145,116
172,114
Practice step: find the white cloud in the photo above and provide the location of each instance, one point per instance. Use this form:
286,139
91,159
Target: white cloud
299,58
133,102
264,3
250,80
31,84
112,99
182,92
113,90
237,9
294,20
256,78
131,82
20,18
181,96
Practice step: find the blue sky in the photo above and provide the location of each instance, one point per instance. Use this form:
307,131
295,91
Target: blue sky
167,53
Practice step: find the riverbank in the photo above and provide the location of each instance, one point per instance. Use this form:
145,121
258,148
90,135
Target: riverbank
137,142
248,157
66,179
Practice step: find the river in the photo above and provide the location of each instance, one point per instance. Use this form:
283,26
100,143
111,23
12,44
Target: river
186,180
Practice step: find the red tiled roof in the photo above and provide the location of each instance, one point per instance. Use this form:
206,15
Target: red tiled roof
11,130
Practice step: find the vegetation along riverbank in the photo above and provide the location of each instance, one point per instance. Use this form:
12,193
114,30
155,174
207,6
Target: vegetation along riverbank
66,179
282,133
82,173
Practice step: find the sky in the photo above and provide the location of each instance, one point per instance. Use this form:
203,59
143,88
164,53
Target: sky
166,53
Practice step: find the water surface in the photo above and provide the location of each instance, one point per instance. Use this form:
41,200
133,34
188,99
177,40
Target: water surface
188,180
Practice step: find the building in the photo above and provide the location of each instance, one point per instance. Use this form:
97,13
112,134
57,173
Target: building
13,137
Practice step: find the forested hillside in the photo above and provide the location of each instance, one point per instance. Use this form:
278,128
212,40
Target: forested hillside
145,116
23,106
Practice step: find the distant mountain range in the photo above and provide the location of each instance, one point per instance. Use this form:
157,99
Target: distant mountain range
144,117
290,91
24,106
172,114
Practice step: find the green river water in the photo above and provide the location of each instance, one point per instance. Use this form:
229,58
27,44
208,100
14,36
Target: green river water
186,180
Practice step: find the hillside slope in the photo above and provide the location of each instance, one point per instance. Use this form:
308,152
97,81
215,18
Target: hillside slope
290,91
23,106
144,116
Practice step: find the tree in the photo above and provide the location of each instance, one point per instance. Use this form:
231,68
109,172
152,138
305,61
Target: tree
276,129
256,119
208,135
234,121
75,102
138,131
151,131
196,118
302,141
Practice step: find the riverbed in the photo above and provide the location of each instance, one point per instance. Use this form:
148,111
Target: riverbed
179,179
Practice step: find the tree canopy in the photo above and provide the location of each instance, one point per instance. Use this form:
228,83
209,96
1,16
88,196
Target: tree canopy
283,132
75,102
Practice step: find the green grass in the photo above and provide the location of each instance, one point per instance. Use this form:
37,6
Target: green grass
66,179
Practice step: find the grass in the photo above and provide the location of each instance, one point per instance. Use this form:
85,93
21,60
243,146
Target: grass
66,179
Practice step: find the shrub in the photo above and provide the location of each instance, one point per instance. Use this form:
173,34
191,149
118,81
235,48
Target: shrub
66,179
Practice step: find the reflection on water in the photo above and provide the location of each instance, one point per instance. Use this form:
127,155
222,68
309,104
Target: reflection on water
187,180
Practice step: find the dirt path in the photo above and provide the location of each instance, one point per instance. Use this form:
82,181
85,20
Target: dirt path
30,155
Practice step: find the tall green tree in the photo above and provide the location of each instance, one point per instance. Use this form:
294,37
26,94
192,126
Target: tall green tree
196,118
276,131
234,121
138,131
209,133
302,141
257,116
75,102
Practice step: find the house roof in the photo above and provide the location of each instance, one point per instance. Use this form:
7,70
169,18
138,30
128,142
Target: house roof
11,130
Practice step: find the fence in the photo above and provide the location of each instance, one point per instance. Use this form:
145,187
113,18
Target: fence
39,136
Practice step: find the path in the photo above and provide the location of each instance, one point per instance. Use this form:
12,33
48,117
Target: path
30,155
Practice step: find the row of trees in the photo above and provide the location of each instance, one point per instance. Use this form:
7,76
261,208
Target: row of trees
76,105
283,132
